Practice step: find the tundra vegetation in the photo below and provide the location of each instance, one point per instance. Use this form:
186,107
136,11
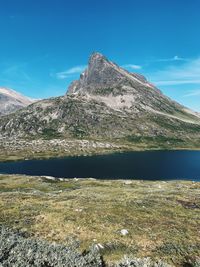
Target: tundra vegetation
142,222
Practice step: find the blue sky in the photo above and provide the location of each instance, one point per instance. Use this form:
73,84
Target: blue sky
45,44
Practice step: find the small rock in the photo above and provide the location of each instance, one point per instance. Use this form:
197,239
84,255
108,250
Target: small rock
124,232
99,246
128,182
49,178
78,210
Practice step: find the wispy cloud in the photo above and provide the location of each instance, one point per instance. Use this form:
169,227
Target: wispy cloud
16,72
193,93
175,58
67,73
132,66
186,73
176,82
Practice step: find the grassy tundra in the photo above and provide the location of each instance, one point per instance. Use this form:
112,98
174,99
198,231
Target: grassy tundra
161,218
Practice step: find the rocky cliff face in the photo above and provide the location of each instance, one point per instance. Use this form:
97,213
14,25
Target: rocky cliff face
10,101
104,74
107,102
119,89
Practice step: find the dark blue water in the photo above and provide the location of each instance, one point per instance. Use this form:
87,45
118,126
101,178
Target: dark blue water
148,165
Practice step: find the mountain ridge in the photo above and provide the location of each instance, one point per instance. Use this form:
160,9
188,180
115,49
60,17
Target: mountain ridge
107,102
11,101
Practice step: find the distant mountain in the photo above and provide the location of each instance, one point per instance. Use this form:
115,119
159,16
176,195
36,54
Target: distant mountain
10,101
107,102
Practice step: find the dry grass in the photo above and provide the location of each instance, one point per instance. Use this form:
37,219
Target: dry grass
162,217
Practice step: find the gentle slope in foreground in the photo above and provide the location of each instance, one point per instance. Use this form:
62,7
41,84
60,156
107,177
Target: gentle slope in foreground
161,218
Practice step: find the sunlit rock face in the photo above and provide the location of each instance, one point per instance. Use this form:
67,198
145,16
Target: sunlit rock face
119,89
103,74
10,101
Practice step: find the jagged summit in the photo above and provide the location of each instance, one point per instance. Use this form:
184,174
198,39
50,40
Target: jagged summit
104,74
96,56
99,74
106,82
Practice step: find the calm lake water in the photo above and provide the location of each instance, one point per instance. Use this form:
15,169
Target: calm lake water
148,165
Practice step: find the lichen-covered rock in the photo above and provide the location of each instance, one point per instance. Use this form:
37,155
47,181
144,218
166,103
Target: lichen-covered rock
194,262
18,251
141,262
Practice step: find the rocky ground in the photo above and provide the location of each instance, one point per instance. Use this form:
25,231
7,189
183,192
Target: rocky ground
15,149
119,223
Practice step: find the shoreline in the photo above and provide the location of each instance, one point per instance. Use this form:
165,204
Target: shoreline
75,179
15,157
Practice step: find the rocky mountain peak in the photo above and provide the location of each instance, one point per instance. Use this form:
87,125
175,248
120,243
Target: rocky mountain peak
97,58
103,75
108,83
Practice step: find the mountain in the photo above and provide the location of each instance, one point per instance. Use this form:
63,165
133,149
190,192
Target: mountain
119,89
107,102
10,101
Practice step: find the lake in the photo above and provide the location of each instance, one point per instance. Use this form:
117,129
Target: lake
146,165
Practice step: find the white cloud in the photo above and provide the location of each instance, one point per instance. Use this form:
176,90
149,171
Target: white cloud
178,58
132,66
75,70
186,73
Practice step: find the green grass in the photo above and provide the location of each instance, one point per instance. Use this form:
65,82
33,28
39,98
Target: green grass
162,217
